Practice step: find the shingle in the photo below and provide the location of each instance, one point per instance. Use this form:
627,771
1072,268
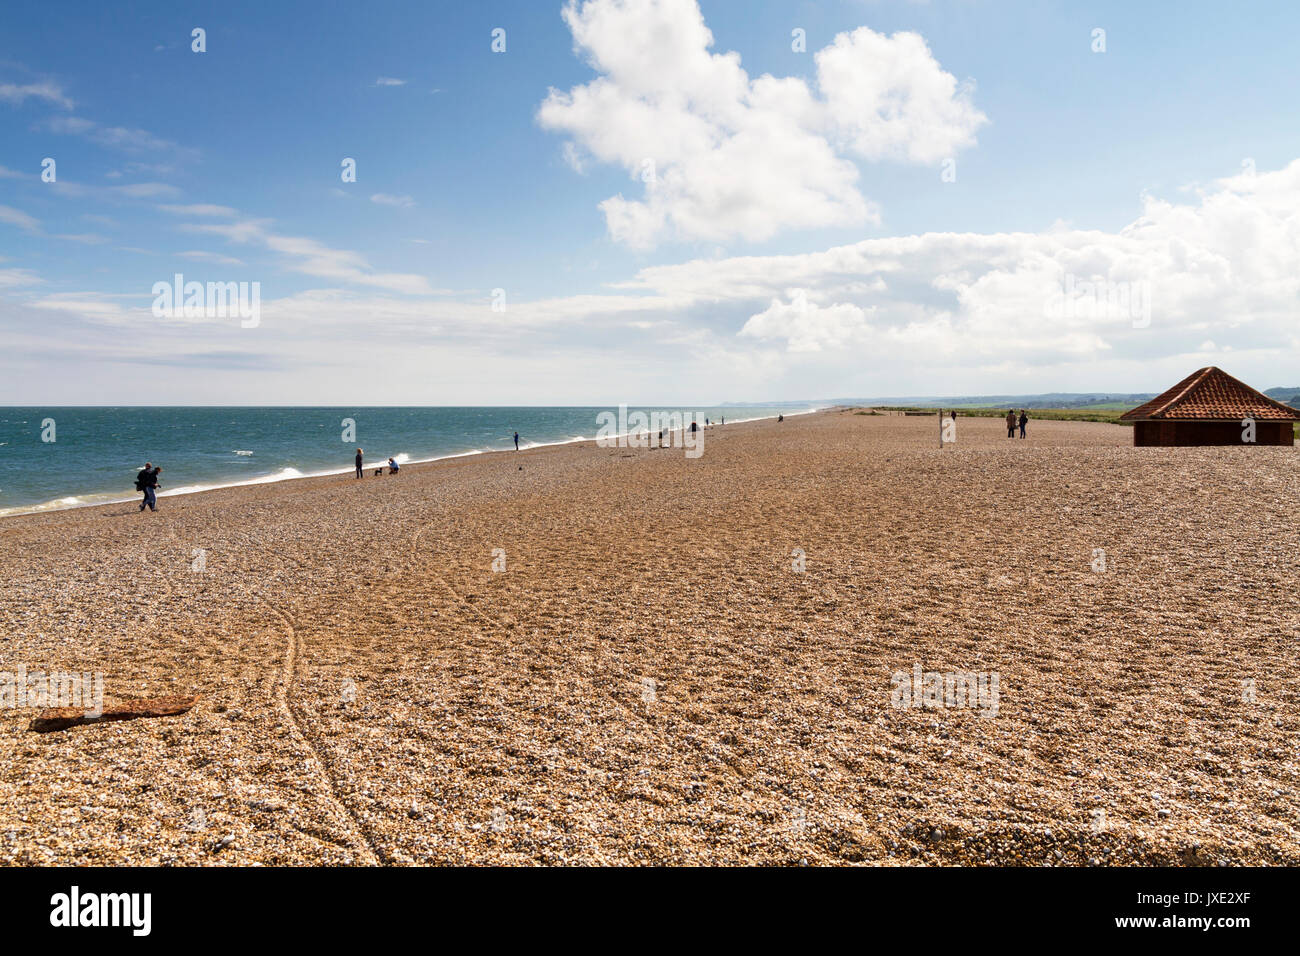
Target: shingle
1211,394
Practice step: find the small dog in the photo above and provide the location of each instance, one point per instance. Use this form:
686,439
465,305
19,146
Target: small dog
378,472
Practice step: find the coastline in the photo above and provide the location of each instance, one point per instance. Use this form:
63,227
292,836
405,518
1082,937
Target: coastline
75,502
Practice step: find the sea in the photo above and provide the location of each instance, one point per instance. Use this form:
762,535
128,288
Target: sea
53,458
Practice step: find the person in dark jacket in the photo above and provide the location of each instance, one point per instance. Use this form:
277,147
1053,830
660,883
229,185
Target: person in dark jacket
1024,420
142,483
151,487
358,462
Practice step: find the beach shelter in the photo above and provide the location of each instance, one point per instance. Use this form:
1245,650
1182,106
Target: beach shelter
1210,407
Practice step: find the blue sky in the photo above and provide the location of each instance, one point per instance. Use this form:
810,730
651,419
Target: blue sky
1160,168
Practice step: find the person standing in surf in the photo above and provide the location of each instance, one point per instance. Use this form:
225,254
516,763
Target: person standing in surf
516,441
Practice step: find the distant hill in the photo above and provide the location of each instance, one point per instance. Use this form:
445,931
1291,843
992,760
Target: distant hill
1122,401
1044,400
1288,396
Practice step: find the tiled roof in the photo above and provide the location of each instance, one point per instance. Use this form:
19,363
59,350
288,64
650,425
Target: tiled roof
1211,394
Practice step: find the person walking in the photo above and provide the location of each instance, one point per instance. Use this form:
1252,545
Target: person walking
516,441
142,483
359,460
151,487
1024,420
1011,423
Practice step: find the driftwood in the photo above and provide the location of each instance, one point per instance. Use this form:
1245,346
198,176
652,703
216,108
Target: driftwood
61,718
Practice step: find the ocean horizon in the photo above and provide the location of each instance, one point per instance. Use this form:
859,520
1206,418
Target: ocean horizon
53,458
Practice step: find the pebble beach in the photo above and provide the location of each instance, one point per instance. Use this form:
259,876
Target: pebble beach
594,655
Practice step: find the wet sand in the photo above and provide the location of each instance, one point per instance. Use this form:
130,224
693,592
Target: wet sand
649,680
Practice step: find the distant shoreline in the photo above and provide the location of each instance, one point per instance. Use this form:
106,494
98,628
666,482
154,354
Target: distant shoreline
274,478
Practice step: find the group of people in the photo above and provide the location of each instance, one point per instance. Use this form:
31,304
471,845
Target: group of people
393,466
1012,420
146,480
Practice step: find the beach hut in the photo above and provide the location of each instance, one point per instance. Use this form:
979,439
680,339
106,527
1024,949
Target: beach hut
1210,407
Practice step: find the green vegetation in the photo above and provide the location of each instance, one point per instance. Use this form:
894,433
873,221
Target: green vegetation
1120,407
1108,412
1094,413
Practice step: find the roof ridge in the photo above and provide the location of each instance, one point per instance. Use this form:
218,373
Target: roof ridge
1211,394
1196,378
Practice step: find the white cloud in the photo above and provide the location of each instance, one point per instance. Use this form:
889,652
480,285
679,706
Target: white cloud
152,169
389,81
116,137
918,314
71,190
1225,265
314,258
145,191
385,199
11,278
201,209
86,304
890,99
722,156
201,256
16,217
49,92
809,328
